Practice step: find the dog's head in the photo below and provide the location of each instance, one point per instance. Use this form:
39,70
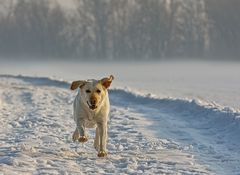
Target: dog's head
93,92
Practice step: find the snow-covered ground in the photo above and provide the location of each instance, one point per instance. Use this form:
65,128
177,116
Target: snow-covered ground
166,118
211,82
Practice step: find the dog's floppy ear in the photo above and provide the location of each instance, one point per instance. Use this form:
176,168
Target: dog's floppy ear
76,84
106,82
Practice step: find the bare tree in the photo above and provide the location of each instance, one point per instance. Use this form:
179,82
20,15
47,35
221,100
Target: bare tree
121,29
224,33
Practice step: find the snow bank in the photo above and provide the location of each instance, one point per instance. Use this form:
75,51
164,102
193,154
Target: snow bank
209,130
193,106
39,81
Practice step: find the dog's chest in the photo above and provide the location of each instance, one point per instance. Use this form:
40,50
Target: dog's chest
90,123
90,120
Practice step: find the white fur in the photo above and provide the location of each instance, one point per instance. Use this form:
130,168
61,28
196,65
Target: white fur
84,118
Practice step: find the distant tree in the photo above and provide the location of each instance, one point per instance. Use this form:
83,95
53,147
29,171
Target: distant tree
187,29
32,28
225,27
6,26
121,29
92,24
118,40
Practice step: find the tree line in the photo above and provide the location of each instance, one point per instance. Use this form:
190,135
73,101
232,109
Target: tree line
121,29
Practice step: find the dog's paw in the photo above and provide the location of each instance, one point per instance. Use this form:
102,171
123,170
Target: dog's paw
102,154
75,136
83,139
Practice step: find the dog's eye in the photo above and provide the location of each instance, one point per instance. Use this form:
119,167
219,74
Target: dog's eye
98,91
88,91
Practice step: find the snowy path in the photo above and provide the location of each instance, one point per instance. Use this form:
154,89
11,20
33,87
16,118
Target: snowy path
36,127
209,132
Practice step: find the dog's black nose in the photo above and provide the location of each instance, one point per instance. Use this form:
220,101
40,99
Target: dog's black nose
93,102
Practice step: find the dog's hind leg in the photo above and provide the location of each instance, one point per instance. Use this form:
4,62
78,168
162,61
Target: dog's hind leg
96,140
103,139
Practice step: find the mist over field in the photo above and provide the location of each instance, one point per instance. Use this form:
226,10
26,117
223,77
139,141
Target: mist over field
120,30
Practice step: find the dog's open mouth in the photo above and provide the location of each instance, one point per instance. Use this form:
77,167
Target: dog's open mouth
92,107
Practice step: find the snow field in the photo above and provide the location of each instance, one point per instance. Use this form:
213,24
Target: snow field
37,124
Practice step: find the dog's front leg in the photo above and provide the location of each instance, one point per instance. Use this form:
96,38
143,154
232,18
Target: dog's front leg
75,135
96,140
81,130
103,139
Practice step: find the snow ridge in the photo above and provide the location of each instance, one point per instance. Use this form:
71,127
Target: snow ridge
178,103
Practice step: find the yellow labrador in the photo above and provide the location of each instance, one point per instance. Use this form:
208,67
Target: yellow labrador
90,109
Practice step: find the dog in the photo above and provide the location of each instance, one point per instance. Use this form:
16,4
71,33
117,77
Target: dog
90,110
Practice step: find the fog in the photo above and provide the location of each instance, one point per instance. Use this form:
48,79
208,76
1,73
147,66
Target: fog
120,30
177,48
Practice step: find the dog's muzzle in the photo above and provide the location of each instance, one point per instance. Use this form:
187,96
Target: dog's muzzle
92,107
